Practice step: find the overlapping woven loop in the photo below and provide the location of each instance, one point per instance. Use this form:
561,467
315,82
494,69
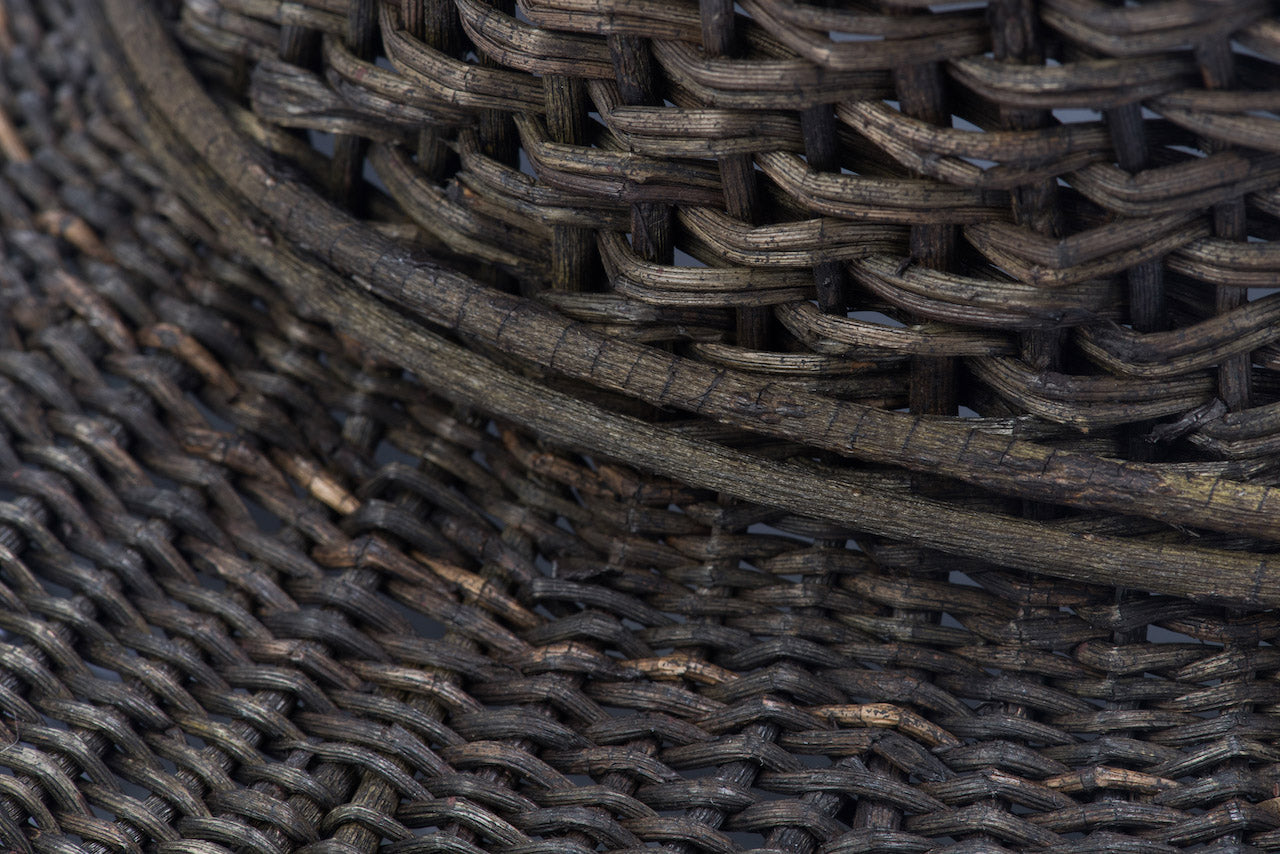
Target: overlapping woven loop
404,494
1054,216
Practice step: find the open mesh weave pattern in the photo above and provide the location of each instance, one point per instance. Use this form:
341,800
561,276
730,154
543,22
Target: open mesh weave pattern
398,500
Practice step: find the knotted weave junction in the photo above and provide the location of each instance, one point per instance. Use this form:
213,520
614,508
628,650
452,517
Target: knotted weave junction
454,427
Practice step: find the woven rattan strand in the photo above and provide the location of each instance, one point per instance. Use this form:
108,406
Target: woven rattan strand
462,427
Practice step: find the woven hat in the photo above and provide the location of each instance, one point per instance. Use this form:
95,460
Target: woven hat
638,425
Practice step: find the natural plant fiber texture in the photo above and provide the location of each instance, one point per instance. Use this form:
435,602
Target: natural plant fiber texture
394,499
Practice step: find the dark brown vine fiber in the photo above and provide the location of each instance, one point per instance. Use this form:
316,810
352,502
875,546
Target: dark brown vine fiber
452,515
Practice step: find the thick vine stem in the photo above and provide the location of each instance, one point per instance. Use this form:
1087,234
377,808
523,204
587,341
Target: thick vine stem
364,258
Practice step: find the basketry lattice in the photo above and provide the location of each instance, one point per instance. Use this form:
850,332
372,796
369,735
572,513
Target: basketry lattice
636,425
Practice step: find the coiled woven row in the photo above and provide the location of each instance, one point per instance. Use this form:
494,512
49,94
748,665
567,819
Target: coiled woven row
1055,210
1005,184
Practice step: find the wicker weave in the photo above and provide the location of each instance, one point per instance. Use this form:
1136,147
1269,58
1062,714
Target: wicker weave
562,452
